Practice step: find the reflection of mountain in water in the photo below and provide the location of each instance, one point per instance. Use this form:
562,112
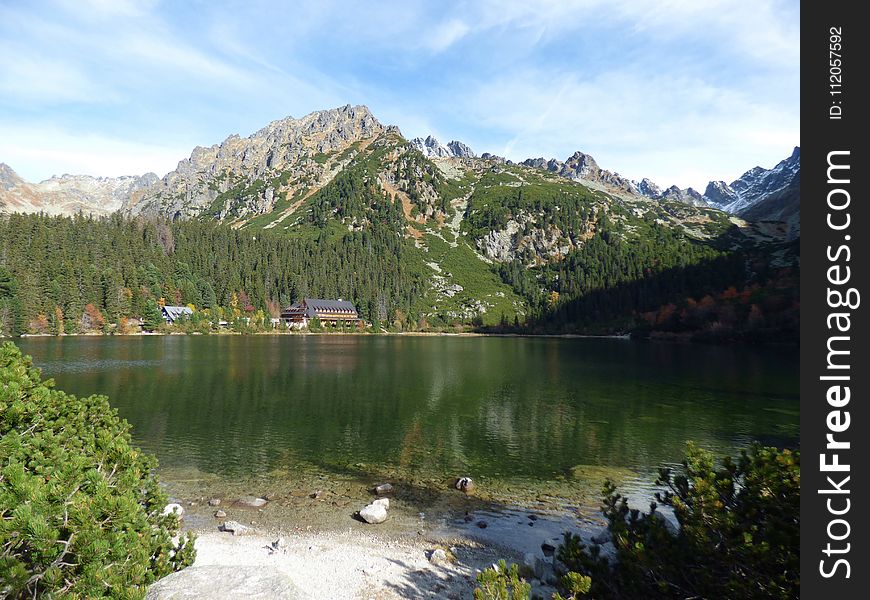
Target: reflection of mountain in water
492,407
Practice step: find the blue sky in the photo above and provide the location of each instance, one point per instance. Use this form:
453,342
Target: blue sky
678,91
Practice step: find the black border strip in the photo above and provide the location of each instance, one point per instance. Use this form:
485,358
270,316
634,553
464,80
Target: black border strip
833,261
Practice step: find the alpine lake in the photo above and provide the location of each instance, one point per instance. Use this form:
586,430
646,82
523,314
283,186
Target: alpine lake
313,422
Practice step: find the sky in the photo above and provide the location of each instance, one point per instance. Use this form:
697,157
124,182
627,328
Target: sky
680,91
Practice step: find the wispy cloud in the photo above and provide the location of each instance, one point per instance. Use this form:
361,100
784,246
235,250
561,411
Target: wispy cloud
444,35
678,90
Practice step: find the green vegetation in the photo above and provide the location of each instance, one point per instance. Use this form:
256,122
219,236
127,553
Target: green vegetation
503,582
579,261
738,535
54,267
80,508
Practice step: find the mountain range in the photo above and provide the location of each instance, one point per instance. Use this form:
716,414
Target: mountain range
415,231
303,149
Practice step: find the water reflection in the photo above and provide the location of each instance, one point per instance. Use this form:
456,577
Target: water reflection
495,407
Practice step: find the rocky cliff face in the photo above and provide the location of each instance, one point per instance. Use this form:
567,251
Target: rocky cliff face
244,176
756,187
687,196
69,194
756,184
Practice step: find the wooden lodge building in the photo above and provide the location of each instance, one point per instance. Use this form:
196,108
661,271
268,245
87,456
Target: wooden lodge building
299,314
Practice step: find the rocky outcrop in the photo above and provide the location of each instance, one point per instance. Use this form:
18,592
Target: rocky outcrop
239,176
581,167
515,239
719,194
460,150
687,196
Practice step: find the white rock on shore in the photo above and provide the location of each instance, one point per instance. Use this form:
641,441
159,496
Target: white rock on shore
235,528
373,513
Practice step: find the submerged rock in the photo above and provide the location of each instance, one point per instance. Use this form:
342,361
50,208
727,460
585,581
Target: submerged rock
250,502
373,513
465,484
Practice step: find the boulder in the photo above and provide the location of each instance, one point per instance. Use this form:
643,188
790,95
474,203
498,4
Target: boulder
439,558
250,502
235,528
383,489
465,484
373,513
534,564
219,514
385,502
228,582
214,502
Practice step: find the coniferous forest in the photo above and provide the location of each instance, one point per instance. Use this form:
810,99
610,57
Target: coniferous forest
54,268
81,274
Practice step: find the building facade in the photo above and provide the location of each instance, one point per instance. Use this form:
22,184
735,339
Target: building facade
299,314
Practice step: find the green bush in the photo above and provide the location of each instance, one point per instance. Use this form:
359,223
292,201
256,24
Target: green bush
738,534
502,583
80,508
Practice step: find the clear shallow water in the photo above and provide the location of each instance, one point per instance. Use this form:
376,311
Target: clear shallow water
509,411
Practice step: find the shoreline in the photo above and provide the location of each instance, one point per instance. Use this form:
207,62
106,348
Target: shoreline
620,336
352,559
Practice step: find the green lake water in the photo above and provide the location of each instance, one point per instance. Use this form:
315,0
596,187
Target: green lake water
543,413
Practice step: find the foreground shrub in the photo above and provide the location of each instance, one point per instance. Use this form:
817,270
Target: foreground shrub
80,508
738,535
502,582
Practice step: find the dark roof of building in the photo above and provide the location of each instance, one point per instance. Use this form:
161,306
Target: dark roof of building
318,305
173,312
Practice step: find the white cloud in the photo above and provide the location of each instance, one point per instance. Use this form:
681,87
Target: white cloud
671,129
445,35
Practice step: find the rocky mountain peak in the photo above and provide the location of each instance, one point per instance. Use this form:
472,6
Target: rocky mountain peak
298,146
648,188
719,193
432,148
8,177
460,150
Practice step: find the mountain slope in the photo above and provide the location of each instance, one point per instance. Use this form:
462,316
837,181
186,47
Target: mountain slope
419,233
